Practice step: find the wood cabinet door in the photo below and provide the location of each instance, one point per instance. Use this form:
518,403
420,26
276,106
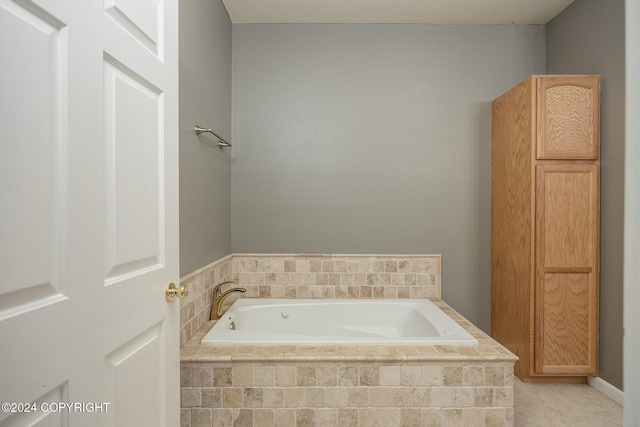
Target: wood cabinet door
568,117
566,294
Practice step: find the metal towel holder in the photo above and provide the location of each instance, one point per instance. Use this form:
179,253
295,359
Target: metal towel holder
221,142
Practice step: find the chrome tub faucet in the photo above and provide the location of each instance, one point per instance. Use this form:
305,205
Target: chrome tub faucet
219,297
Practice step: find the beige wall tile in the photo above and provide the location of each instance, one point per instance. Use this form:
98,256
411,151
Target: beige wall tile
190,397
432,418
185,376
474,417
273,397
473,376
404,292
411,375
390,396
421,396
411,417
494,376
315,266
369,376
264,417
243,417
452,418
222,376
483,396
503,396
389,375
391,292
353,291
296,278
264,376
252,397
347,417
380,416
340,266
316,396
452,376
494,417
509,414
232,397
347,375
337,396
441,396
305,417
243,376
285,376
463,396
327,266
289,266
185,417
211,397
290,292
306,376
294,397
222,417
357,396
200,417
302,266
327,375
432,375
285,417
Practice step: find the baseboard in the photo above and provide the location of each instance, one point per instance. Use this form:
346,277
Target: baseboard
607,389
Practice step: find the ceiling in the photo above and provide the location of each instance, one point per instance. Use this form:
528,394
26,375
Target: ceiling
395,11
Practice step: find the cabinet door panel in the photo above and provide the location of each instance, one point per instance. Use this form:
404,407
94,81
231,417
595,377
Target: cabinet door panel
566,297
566,324
568,117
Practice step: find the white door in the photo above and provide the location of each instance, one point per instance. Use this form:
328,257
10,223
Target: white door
88,212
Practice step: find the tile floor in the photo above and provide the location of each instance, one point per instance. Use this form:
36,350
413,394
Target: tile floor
564,405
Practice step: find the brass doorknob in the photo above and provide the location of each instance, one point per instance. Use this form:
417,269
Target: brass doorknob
171,292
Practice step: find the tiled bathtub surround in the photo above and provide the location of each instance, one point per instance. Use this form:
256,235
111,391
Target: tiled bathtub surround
309,276
338,276
337,385
350,385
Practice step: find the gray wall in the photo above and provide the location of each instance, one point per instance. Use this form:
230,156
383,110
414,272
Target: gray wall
588,37
374,139
205,99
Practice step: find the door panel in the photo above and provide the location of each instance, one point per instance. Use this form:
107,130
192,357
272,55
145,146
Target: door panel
141,19
566,295
134,217
140,402
31,221
566,320
568,218
568,109
88,210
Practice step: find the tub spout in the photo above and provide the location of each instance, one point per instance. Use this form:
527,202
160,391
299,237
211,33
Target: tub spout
219,297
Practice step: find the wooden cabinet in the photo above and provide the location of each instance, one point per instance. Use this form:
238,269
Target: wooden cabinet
545,226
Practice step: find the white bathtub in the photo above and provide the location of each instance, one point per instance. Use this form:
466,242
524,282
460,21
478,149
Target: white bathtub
330,321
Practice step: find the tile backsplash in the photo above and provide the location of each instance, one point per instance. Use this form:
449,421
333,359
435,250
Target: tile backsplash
195,309
338,276
310,276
